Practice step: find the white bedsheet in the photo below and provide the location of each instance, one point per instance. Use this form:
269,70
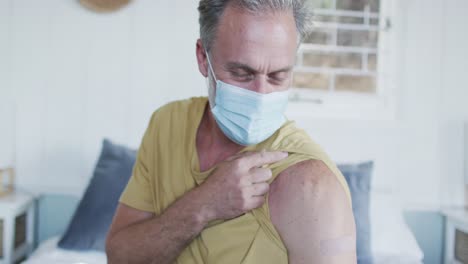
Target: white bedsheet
395,260
49,253
391,238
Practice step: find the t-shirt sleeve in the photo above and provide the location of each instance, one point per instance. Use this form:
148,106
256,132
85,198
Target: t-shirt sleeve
138,194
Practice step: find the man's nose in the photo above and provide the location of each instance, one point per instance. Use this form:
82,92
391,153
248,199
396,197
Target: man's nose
262,86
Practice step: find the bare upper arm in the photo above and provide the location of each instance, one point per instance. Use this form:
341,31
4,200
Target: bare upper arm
126,216
313,215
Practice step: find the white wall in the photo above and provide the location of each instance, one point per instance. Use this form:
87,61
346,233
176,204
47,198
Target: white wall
7,106
78,77
453,98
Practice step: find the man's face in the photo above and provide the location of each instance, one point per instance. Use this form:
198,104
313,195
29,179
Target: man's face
255,52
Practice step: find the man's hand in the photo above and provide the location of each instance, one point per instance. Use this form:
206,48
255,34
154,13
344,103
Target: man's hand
238,184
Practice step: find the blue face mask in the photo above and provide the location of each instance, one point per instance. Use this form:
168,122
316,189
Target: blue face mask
244,116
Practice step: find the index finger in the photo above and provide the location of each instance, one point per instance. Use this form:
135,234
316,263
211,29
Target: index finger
265,157
240,155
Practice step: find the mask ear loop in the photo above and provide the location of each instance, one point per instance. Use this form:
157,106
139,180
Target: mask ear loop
209,65
211,90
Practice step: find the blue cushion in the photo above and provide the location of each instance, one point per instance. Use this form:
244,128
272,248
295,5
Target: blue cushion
90,223
358,177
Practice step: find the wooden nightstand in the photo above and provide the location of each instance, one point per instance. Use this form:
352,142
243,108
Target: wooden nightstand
16,226
456,236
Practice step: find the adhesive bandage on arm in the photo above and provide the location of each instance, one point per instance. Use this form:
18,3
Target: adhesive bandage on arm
338,246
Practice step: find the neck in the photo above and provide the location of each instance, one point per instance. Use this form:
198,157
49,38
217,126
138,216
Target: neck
212,145
214,135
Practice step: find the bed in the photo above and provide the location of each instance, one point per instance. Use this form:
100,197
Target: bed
392,240
81,224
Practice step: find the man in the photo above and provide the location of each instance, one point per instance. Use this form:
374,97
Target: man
229,180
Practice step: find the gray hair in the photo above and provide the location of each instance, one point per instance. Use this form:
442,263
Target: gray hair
212,10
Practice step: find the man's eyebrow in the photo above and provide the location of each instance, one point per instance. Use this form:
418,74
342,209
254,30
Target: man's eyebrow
285,69
237,65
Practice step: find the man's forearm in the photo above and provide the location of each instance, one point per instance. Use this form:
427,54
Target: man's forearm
161,239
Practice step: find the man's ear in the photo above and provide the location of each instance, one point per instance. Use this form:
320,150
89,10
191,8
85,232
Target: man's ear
201,58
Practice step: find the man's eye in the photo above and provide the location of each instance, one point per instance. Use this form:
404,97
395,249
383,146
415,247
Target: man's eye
242,75
279,77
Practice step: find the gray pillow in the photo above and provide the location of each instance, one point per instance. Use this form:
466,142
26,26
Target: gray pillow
358,177
90,223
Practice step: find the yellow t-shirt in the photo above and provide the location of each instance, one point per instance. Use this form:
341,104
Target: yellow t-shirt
167,167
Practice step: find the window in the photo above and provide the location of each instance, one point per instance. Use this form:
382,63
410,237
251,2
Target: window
344,67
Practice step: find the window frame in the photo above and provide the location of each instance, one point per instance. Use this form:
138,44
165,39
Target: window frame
353,105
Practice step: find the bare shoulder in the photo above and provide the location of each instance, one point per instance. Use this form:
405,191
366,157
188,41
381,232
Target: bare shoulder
309,206
312,178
